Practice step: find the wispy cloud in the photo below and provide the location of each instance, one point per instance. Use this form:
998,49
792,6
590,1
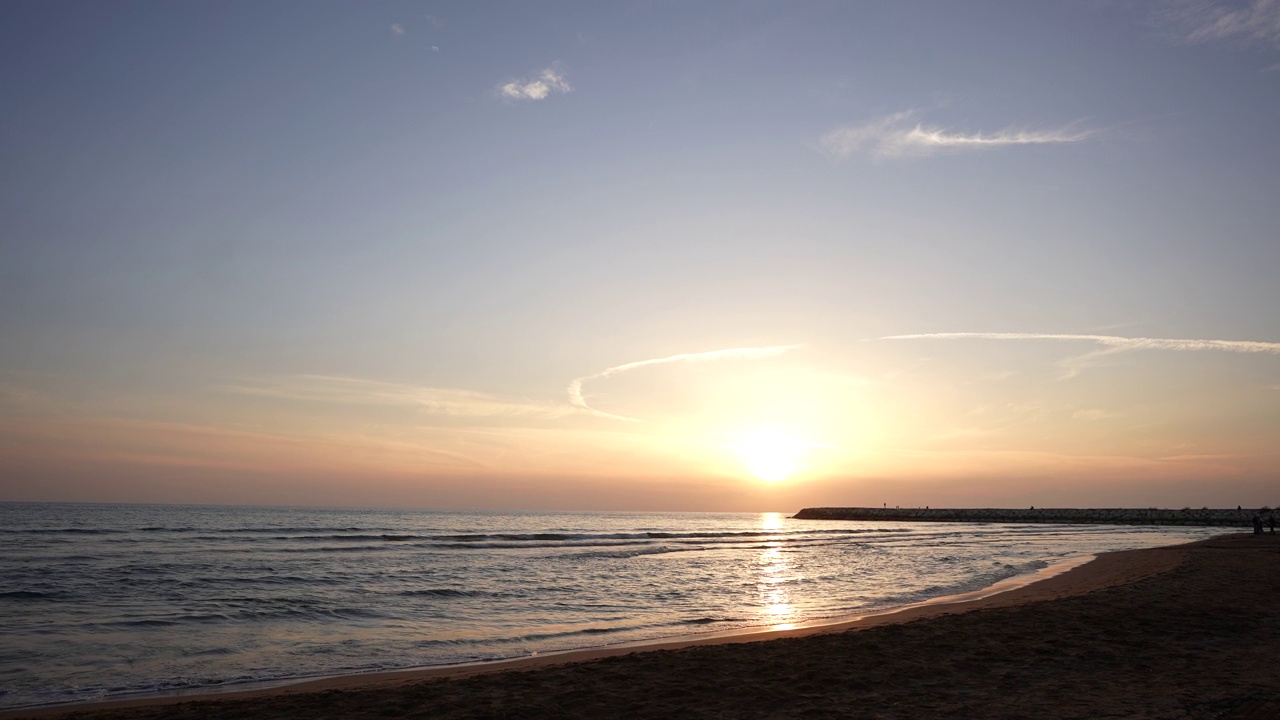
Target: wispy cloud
358,391
397,29
576,398
1112,344
1113,341
1245,22
900,135
549,81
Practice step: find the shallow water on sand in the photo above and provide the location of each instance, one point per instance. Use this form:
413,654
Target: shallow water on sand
101,600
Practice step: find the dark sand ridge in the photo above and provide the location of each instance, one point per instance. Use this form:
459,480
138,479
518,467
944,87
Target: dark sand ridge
1190,631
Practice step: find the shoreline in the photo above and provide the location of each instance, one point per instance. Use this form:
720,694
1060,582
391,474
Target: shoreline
1072,576
760,633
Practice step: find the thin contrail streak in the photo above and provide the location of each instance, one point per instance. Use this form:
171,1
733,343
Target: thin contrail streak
1113,341
577,400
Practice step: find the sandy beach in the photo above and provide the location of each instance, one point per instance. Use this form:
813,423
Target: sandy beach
1182,632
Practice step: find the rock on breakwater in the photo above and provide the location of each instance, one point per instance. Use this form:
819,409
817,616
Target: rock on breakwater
1102,516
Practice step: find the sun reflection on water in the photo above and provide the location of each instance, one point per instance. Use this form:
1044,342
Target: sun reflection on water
771,521
774,572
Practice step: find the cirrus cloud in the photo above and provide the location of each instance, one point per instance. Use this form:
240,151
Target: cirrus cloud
360,391
1244,22
900,135
578,400
1112,341
1111,344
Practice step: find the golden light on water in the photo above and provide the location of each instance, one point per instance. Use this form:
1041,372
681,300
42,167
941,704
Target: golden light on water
774,573
771,521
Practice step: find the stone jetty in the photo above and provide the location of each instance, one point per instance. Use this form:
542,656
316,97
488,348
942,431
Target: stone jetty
1100,516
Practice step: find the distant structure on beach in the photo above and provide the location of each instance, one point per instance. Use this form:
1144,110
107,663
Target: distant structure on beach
1094,516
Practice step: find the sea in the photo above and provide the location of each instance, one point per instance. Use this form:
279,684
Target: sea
98,601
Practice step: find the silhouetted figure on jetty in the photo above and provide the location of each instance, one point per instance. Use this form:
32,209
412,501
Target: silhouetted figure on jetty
1257,524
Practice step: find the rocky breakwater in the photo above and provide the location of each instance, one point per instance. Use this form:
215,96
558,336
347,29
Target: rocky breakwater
1101,516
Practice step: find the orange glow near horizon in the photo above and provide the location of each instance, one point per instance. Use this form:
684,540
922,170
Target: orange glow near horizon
770,433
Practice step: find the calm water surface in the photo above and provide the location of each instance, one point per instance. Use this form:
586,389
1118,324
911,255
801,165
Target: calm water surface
101,600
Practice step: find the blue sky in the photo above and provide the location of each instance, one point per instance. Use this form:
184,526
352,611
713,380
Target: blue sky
357,253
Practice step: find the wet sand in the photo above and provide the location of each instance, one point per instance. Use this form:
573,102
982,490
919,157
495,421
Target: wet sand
1191,631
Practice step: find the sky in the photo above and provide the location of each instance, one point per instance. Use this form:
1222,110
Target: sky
713,255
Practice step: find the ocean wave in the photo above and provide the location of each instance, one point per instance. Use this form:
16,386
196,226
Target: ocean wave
635,552
31,595
457,540
655,535
214,580
333,549
144,623
222,531
248,615
450,592
295,544
536,637
973,582
66,531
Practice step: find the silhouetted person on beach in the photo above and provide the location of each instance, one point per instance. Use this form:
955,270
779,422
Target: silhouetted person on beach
1271,523
1257,524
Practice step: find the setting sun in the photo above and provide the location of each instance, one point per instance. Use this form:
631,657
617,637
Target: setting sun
769,453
